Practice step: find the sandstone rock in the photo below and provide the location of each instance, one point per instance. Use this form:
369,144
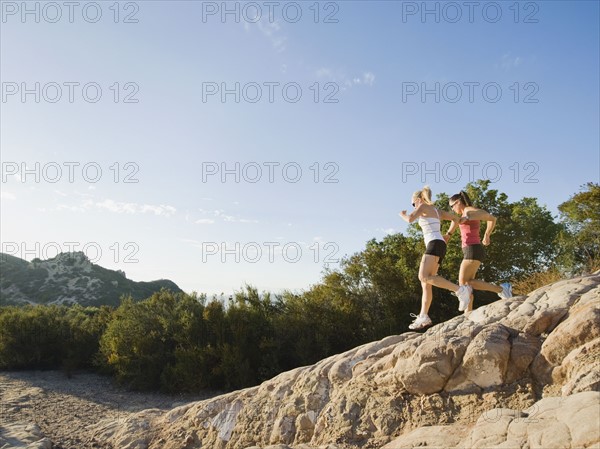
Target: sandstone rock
580,370
470,382
485,361
20,435
581,325
555,422
430,437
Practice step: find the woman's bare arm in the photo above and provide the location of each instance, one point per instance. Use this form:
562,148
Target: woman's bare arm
455,219
409,218
481,215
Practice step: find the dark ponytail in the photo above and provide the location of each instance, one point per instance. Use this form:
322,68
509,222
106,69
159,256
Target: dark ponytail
463,197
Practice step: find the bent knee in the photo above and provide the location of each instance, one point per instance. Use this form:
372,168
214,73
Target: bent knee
425,279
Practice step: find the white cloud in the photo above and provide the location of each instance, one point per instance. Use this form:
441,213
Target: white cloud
220,214
509,62
368,78
341,77
116,206
71,208
7,196
324,72
162,209
271,30
120,207
204,221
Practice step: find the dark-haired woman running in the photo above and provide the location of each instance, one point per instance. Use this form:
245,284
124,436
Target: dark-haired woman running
473,246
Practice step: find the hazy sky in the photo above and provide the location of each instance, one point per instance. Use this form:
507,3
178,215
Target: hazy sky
217,144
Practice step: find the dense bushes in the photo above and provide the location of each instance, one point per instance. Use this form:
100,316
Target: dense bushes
186,343
50,336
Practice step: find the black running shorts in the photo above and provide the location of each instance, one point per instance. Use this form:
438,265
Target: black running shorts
436,248
474,252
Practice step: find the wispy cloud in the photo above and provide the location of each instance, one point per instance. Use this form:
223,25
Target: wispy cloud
134,208
508,62
7,196
120,207
342,78
271,30
69,208
221,215
204,221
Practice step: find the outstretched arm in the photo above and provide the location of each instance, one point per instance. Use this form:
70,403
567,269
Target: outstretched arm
409,218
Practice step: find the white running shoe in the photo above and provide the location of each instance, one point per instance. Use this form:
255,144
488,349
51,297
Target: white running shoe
506,290
420,321
464,297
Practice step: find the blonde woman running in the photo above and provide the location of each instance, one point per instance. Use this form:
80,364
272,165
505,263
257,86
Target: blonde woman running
429,218
473,246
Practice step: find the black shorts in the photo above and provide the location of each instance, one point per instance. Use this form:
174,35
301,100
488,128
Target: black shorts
474,252
436,248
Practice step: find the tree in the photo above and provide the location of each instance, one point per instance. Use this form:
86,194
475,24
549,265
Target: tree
580,240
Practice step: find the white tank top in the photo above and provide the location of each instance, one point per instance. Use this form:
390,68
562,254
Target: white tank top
431,228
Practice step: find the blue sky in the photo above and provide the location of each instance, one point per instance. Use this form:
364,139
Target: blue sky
533,130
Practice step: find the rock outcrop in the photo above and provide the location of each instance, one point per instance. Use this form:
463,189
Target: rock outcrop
22,436
522,372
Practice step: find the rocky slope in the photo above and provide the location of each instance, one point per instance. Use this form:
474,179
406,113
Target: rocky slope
523,372
68,278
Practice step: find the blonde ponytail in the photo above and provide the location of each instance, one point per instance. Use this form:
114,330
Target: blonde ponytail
424,195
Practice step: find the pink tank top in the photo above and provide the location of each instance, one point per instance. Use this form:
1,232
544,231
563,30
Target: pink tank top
469,233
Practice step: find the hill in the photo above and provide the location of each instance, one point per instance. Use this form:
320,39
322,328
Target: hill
522,372
69,278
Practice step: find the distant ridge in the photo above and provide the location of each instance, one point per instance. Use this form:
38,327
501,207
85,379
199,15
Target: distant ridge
69,278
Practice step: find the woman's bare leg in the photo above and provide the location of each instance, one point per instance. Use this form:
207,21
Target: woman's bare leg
468,270
428,273
428,266
482,285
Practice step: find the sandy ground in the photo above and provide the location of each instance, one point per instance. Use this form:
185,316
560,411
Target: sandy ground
67,409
